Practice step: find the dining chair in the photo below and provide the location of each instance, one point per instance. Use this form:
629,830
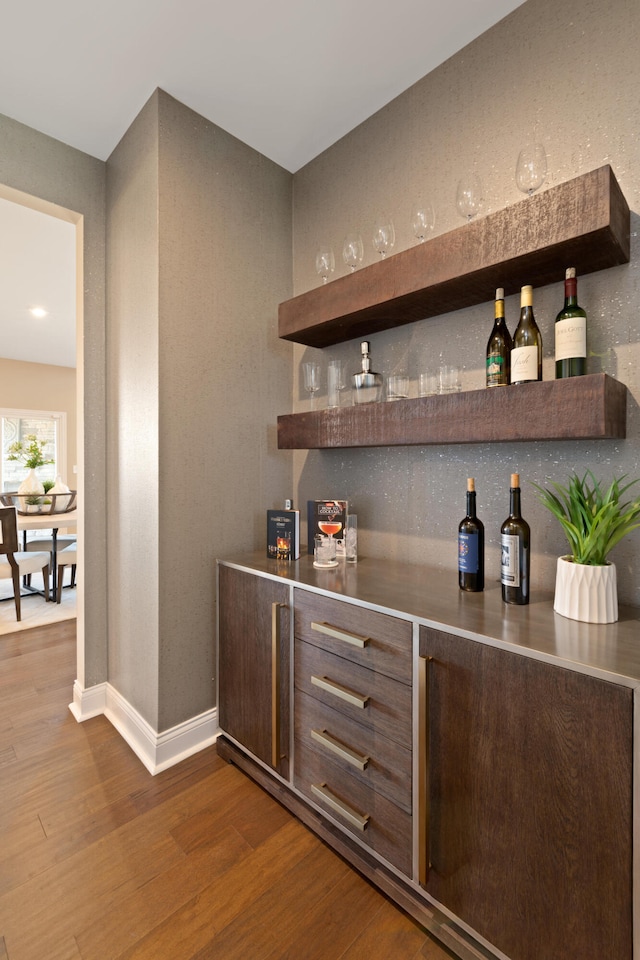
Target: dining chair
66,557
19,563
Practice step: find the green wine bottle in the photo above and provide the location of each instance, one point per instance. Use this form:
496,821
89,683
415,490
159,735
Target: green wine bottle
499,347
571,332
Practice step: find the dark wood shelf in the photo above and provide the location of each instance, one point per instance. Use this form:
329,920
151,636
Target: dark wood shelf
592,407
583,223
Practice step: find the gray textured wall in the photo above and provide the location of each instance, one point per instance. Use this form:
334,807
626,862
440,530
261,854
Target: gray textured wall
564,74
199,257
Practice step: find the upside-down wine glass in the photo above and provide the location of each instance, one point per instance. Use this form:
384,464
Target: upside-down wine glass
325,263
531,168
352,251
469,196
384,236
311,376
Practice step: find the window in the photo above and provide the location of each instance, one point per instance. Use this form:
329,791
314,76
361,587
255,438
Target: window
18,424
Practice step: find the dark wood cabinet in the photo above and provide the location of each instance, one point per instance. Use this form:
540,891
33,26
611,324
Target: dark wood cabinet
353,734
529,793
474,760
253,664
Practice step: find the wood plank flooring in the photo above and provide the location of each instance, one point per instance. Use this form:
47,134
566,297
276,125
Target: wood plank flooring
101,861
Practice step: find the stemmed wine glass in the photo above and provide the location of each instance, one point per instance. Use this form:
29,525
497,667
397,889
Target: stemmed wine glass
423,220
531,168
384,236
311,375
325,263
352,251
469,196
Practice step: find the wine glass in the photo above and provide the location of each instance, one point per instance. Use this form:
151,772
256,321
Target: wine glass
325,263
469,196
423,220
531,168
352,251
311,375
384,236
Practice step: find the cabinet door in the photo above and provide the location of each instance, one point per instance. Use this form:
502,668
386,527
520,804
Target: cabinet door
253,664
529,793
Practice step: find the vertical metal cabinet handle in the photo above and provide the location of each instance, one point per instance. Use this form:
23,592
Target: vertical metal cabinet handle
343,693
424,806
356,759
355,639
275,683
356,819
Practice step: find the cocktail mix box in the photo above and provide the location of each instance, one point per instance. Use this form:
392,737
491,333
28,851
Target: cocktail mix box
328,518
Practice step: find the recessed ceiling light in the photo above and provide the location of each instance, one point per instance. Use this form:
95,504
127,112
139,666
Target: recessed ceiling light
38,312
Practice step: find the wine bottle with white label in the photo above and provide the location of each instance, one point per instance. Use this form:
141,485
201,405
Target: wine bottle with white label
471,546
515,543
571,332
526,355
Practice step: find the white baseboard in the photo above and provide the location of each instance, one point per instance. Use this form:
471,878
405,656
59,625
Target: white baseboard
157,751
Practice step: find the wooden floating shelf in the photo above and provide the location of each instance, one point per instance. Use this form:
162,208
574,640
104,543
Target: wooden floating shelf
583,223
592,407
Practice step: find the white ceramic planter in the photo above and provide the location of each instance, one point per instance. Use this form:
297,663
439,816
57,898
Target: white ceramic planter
586,593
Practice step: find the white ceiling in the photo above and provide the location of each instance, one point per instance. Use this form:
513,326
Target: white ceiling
289,78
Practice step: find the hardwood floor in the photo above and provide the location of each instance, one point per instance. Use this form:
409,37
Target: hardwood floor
101,861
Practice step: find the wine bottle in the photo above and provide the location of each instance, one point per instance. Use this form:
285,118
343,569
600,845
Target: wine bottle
515,541
367,385
526,355
499,347
571,332
471,546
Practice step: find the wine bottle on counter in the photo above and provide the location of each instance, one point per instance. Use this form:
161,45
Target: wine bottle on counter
515,542
571,332
499,347
526,355
367,385
471,546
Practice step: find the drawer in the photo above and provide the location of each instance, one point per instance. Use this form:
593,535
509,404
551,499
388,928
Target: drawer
371,699
367,815
363,752
374,640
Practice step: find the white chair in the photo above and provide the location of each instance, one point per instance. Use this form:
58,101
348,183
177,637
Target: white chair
66,557
19,563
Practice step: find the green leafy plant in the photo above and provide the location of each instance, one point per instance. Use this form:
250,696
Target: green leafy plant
594,520
29,452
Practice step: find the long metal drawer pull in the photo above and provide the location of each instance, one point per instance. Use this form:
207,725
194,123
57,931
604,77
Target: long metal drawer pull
355,639
356,819
343,693
424,805
358,760
275,683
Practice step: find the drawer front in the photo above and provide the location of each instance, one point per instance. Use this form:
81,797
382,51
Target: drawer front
374,640
371,699
363,752
367,815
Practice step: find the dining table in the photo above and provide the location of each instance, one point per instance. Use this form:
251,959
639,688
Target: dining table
49,521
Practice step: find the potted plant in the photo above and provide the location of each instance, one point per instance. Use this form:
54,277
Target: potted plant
594,520
30,452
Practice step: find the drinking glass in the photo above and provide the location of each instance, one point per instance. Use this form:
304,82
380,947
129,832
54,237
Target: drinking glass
351,539
324,552
352,251
531,168
423,220
311,375
384,236
335,382
469,196
325,263
397,386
